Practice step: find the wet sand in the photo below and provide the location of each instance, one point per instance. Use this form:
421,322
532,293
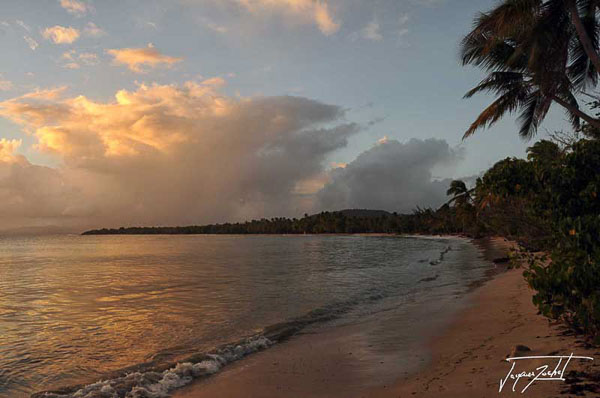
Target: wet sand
467,356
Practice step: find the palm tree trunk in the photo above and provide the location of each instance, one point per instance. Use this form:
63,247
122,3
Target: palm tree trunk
584,38
576,111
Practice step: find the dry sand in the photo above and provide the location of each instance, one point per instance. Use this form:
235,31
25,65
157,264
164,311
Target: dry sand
467,357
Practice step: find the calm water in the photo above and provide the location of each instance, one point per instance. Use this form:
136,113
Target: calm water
73,309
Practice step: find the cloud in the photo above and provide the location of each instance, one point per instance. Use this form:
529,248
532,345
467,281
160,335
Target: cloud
60,34
214,81
75,7
32,194
167,154
313,11
138,58
74,60
33,45
391,176
88,58
8,150
92,30
213,26
372,31
23,25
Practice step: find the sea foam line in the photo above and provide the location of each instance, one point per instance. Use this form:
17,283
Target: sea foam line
155,384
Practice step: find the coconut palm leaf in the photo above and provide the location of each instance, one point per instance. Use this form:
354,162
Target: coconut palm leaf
533,52
535,108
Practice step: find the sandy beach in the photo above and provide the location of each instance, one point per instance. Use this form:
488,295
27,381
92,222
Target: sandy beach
467,355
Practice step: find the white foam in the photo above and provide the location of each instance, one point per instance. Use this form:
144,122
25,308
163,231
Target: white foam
160,384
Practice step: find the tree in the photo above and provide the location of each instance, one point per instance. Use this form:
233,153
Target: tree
461,195
537,52
465,211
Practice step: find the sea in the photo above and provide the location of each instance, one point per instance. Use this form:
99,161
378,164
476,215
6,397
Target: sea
141,316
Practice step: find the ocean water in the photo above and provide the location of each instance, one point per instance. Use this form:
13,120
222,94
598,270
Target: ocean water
139,316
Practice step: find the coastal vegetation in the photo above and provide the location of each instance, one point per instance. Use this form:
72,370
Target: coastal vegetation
540,52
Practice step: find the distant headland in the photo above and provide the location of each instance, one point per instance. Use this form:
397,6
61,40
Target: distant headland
344,221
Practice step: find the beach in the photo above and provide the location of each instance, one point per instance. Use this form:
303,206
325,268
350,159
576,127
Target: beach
466,356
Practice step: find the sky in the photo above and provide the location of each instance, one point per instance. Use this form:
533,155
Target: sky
156,112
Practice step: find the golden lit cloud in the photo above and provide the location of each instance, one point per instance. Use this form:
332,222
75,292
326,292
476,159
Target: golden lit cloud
8,149
315,11
75,7
60,34
168,154
138,58
214,81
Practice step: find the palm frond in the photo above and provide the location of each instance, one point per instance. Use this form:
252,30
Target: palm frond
498,83
535,108
509,102
581,70
568,97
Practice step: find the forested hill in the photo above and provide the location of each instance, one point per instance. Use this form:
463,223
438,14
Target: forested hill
344,221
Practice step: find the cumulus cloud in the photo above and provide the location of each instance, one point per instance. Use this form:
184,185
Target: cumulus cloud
138,60
166,154
61,34
75,7
313,11
391,176
33,195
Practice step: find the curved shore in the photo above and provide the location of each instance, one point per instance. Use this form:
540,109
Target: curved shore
469,357
466,359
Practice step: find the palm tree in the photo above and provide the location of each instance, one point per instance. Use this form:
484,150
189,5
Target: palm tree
462,202
461,195
537,52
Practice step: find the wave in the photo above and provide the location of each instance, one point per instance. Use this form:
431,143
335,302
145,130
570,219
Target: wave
156,380
156,383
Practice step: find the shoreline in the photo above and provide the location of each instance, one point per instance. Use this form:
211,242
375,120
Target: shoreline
469,357
466,359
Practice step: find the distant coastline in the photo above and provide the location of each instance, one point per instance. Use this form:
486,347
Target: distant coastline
350,221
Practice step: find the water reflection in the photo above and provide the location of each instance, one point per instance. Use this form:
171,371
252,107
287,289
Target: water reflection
74,308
